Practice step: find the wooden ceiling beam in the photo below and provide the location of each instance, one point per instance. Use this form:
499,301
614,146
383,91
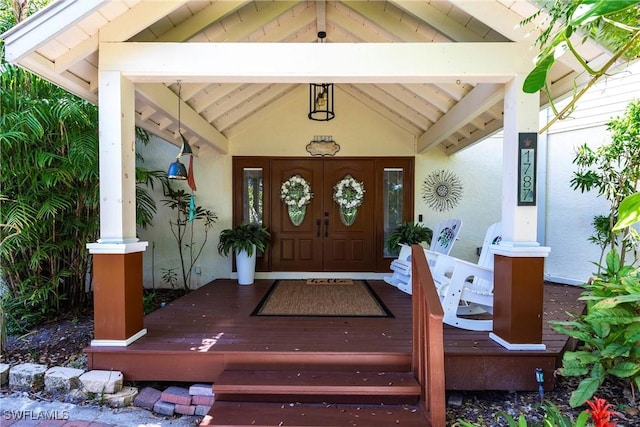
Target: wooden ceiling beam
167,101
478,100
306,63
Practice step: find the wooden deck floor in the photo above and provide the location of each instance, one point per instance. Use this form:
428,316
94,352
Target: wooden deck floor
195,338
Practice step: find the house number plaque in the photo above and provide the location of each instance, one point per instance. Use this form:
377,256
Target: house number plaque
527,145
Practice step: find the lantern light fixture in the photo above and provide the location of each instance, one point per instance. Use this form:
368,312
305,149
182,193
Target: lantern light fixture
321,102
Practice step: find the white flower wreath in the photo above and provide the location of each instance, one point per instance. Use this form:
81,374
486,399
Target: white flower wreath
348,193
296,191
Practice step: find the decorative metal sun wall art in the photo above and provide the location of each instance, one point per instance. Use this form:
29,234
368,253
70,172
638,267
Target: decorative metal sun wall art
441,190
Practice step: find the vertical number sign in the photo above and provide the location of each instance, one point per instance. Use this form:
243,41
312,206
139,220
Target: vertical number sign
527,144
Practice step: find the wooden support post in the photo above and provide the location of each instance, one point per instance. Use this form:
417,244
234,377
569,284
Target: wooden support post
518,290
118,306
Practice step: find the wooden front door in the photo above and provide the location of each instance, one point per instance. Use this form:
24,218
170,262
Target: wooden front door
322,242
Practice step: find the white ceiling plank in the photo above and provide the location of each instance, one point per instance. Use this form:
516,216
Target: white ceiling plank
406,31
289,26
192,26
253,19
306,63
432,95
240,95
212,94
382,97
120,29
502,19
490,129
384,111
480,98
42,67
45,25
167,101
265,97
412,101
138,18
438,20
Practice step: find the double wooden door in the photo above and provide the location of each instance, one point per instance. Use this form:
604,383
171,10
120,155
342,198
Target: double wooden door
322,242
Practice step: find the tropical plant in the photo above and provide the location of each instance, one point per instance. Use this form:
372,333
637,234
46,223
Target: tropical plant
182,225
49,195
409,234
244,237
612,169
599,412
609,331
613,23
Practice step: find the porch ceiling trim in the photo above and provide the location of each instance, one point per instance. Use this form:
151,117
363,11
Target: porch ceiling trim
306,63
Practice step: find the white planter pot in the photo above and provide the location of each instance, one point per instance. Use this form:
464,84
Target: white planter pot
246,266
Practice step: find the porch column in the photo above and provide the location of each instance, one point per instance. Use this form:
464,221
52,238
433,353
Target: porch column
519,258
117,255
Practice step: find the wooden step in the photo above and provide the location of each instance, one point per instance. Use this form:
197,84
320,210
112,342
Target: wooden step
257,414
318,387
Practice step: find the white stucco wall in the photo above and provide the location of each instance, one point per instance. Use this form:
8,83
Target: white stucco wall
569,212
213,180
479,169
285,130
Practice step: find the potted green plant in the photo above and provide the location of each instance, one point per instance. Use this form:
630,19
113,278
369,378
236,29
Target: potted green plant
407,233
245,240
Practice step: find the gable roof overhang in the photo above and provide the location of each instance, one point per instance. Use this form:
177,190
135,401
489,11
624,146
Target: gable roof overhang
434,68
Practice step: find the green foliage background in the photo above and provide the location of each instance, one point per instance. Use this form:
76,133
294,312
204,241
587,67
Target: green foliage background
49,191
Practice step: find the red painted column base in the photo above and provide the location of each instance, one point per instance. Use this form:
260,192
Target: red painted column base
117,298
518,302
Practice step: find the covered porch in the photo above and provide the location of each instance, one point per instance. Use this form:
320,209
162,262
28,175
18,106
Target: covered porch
197,337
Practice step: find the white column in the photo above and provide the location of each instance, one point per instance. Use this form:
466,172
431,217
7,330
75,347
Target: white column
117,165
519,223
117,258
519,267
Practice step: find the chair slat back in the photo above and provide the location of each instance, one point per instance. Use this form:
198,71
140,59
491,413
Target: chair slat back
493,236
445,236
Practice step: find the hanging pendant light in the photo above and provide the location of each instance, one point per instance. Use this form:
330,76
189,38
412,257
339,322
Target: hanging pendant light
321,102
321,96
176,169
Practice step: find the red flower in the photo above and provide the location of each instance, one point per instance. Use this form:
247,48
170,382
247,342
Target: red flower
601,413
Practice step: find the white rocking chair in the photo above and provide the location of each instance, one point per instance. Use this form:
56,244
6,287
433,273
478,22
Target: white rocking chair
465,288
441,243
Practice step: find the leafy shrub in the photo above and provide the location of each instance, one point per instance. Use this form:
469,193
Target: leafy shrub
609,331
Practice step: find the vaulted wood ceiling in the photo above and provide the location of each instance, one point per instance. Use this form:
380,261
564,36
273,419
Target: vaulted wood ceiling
68,55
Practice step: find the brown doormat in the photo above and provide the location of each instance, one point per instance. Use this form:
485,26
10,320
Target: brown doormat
354,298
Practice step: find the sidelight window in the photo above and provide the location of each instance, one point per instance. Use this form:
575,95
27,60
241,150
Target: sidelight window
252,196
393,198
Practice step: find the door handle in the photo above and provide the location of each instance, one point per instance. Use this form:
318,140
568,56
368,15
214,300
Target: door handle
318,222
326,227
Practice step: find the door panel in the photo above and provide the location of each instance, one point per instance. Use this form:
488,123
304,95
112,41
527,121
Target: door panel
296,248
349,248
